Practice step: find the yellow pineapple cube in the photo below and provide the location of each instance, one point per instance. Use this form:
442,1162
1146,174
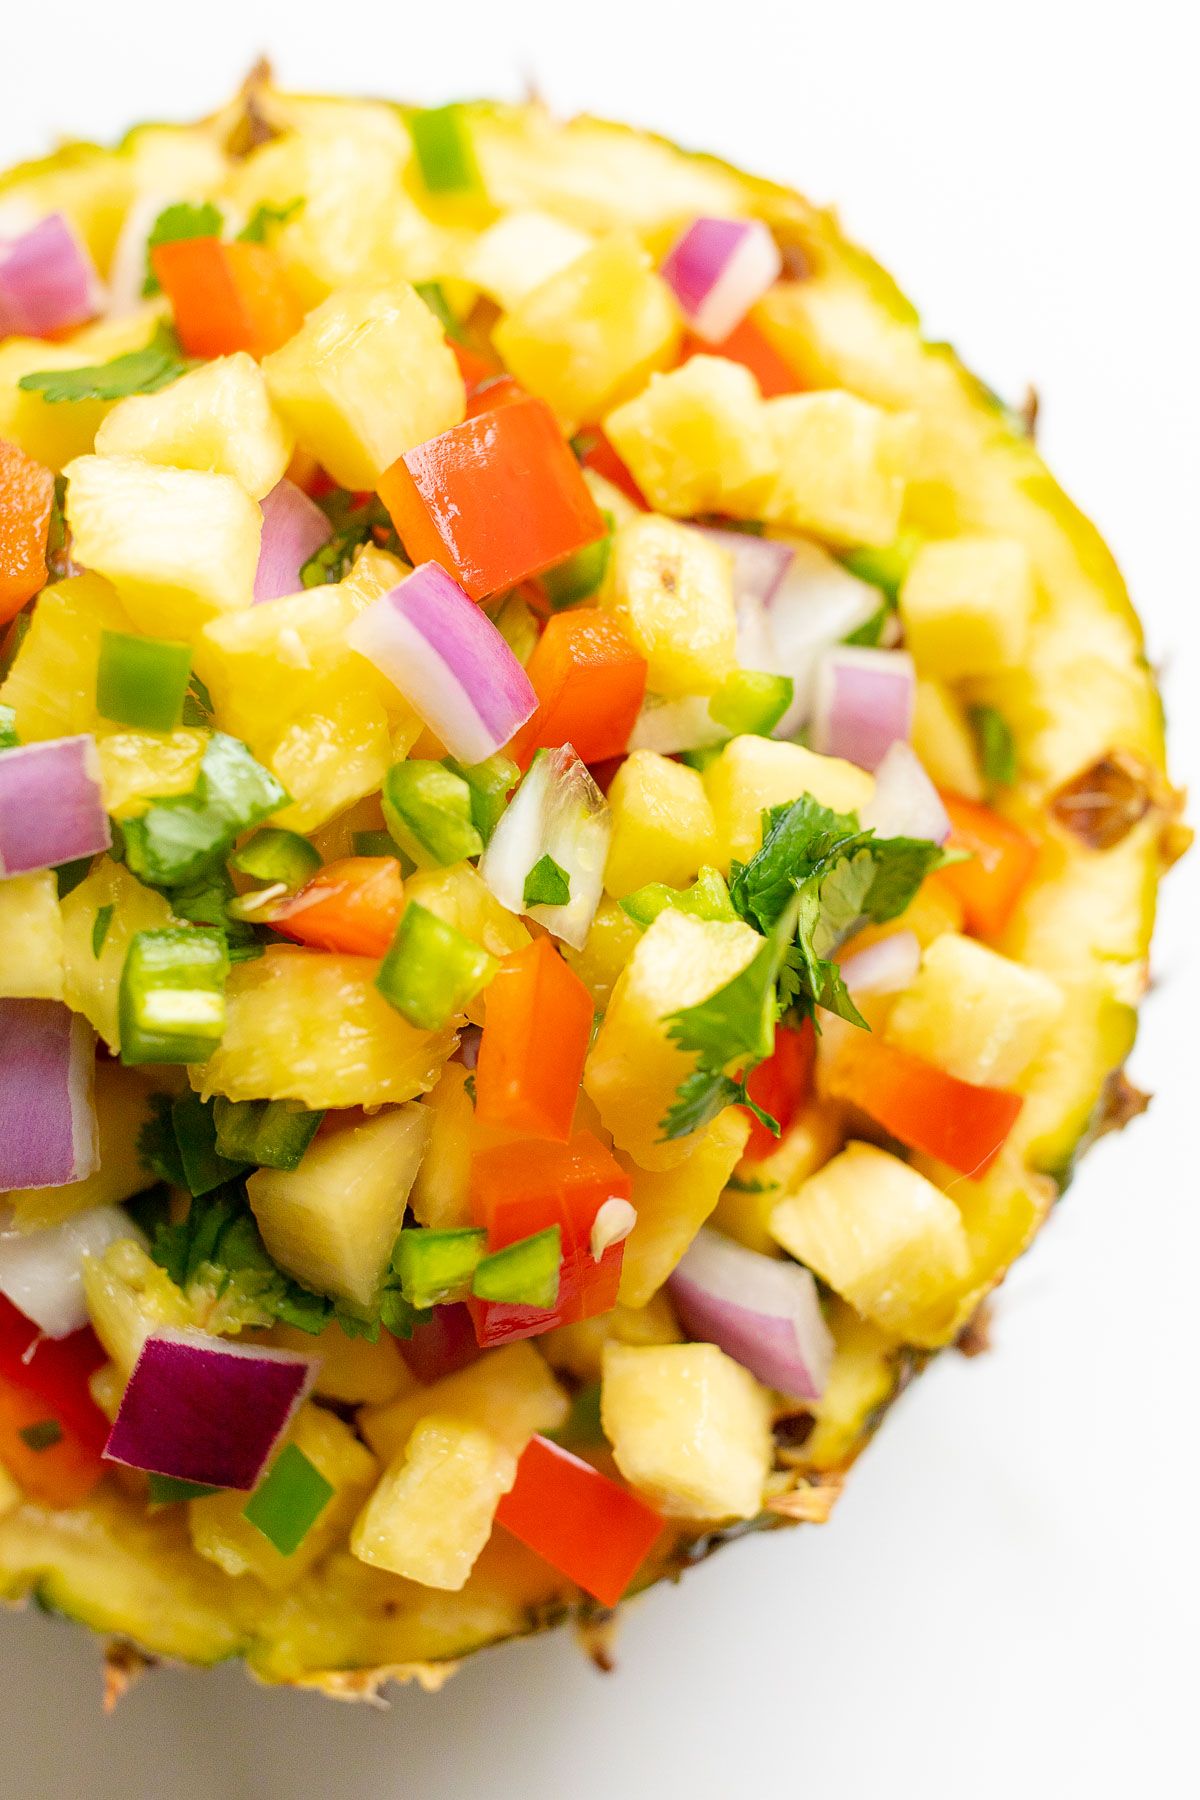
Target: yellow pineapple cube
441,1195
744,1209
672,1204
976,1014
216,418
843,466
689,1428
672,590
128,1296
520,251
333,1221
944,741
180,547
590,335
510,1391
91,983
579,1349
302,1025
354,1371
610,943
879,1234
122,1101
368,375
221,1531
51,686
139,766
966,605
56,431
459,895
31,938
697,440
663,826
862,1378
432,1513
753,774
634,1070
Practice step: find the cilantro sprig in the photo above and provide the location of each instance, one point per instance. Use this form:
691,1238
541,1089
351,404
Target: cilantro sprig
143,371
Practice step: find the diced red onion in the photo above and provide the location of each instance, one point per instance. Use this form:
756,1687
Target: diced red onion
816,605
557,811
885,967
294,528
905,802
448,660
444,1344
717,269
48,281
47,1119
864,703
202,1409
759,563
41,1272
761,1310
51,806
468,1046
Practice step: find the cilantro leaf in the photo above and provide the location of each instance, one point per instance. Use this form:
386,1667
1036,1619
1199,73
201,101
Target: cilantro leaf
996,745
353,526
157,1146
180,838
547,884
143,371
267,215
173,224
799,838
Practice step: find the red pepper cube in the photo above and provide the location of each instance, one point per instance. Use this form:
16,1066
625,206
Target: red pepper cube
44,1383
590,683
26,502
534,1001
227,297
747,345
494,500
958,1122
597,1533
781,1084
351,907
602,459
520,1188
1001,859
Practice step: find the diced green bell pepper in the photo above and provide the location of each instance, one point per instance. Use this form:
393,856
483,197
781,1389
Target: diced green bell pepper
436,1266
522,1274
142,681
432,970
445,157
172,997
490,783
273,855
272,1134
751,702
429,813
289,1500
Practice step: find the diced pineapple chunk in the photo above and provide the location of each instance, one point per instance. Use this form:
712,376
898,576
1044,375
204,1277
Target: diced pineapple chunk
121,1099
221,1531
862,1378
510,1391
139,766
672,1204
301,1025
368,375
843,465
129,1296
663,826
590,335
353,1370
91,983
1001,1213
976,1014
943,739
180,547
579,1349
333,1221
753,774
519,252
31,938
55,431
697,440
881,1235
689,1427
634,1069
459,895
432,1513
217,418
610,943
966,605
744,1210
51,686
441,1195
673,592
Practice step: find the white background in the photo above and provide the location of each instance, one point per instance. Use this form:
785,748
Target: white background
1006,1599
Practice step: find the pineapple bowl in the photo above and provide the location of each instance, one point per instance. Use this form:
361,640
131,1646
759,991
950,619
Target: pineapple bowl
580,822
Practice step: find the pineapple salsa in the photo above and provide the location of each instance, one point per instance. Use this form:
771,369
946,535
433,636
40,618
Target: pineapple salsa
579,825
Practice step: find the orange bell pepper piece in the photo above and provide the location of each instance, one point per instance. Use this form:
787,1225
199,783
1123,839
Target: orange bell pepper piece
227,297
473,367
781,1084
352,906
600,456
596,1533
527,1186
747,345
535,1003
26,502
956,1121
494,500
1001,860
43,1383
590,683
492,393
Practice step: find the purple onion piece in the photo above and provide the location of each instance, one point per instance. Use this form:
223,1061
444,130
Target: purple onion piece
763,1311
294,528
717,269
48,282
47,1119
51,806
864,703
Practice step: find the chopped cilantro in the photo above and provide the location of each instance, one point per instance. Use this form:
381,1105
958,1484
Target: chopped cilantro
171,1490
142,371
265,216
68,875
183,220
996,745
100,928
42,1435
353,526
547,884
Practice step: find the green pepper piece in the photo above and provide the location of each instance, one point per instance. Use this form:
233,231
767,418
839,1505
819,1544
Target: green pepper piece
172,998
432,970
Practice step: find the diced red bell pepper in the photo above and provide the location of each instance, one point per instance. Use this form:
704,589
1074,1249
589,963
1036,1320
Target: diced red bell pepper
781,1085
496,391
227,297
747,345
597,1533
927,1109
26,502
352,906
1001,860
528,1186
473,367
590,683
493,500
599,455
534,1002
44,1380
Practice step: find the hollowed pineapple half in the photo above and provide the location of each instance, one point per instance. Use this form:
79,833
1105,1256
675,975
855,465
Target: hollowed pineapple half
1014,602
